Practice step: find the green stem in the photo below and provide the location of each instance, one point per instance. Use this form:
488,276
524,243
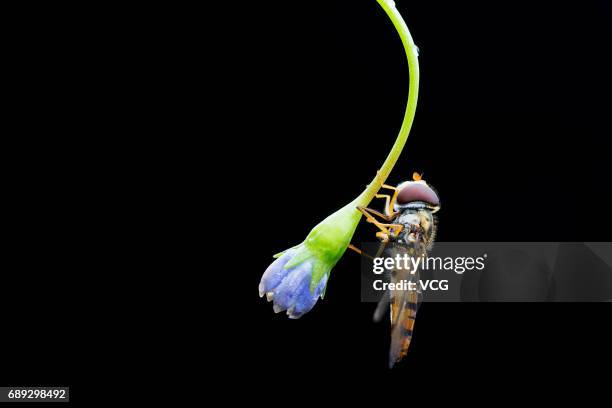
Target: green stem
413,91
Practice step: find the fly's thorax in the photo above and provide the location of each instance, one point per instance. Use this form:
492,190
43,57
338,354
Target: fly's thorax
409,217
419,225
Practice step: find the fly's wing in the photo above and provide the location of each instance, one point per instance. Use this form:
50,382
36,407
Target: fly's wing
384,301
404,306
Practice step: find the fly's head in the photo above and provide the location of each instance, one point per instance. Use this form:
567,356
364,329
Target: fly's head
416,203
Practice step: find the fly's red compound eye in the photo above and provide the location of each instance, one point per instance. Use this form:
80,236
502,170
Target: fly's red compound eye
417,192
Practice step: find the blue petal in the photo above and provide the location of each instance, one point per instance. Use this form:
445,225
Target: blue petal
307,299
275,273
296,282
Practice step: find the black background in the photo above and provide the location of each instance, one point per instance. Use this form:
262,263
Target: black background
512,128
116,115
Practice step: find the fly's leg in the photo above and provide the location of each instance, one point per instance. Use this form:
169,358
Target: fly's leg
371,212
387,197
386,229
354,248
382,236
389,201
359,251
381,249
395,229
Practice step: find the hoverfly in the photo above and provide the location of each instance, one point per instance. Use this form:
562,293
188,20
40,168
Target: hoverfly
408,226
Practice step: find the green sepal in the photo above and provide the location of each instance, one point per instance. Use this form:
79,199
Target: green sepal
325,244
302,255
278,255
324,289
319,270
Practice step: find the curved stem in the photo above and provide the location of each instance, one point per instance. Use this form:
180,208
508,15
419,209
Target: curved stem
413,91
